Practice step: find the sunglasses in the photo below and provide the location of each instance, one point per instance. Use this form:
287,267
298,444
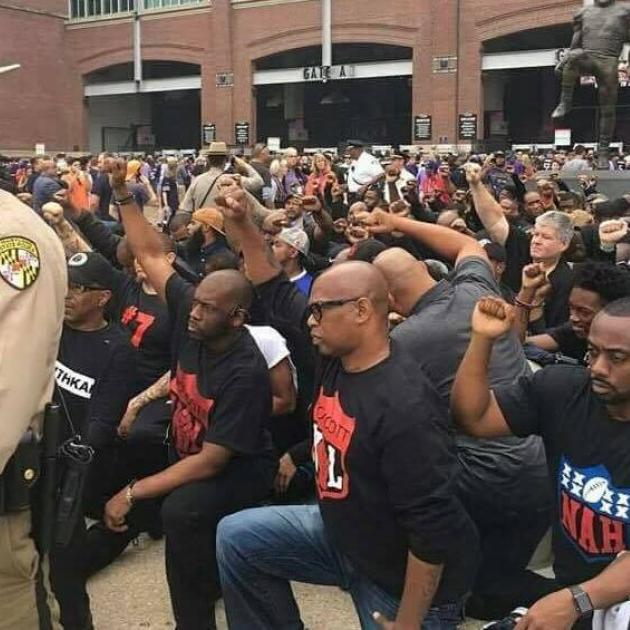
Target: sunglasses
316,309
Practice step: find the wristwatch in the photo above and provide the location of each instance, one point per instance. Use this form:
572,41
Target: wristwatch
123,201
581,601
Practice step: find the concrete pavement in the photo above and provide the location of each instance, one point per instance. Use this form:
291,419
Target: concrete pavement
132,594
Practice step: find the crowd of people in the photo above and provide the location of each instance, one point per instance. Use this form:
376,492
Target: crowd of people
394,375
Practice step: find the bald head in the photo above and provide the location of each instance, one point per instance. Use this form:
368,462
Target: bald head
407,278
354,279
228,286
397,265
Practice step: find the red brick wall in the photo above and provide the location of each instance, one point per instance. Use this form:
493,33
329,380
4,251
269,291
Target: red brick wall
44,100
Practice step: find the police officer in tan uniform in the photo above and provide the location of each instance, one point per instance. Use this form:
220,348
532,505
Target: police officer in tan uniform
32,290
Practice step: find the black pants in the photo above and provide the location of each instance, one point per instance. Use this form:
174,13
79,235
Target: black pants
190,515
68,580
508,535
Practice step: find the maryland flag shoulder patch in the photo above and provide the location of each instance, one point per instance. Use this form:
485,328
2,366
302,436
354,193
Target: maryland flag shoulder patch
19,261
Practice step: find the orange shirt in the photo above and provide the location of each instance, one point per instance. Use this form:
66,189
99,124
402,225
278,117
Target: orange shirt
78,191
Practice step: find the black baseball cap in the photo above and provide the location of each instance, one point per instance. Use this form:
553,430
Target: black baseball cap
90,270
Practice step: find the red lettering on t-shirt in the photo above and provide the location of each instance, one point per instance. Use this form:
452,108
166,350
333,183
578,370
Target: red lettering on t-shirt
587,532
142,320
570,510
594,533
191,413
332,434
612,535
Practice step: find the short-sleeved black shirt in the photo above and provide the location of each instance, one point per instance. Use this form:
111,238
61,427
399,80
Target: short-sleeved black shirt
149,325
568,342
222,398
588,454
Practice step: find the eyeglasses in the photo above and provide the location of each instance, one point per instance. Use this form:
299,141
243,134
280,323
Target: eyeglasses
316,309
80,288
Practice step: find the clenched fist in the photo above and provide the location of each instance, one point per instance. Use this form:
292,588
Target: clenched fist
611,232
235,206
378,221
117,169
53,212
492,318
473,173
534,276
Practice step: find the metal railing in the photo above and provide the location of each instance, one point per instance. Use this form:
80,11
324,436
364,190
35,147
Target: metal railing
86,10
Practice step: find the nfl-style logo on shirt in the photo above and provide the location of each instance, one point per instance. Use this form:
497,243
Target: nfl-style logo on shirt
332,434
19,261
594,514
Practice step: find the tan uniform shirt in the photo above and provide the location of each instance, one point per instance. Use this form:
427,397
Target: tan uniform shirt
33,285
199,194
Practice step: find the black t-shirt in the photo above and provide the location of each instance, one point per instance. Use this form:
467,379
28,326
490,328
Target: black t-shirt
102,188
384,457
94,375
149,325
568,342
588,454
222,398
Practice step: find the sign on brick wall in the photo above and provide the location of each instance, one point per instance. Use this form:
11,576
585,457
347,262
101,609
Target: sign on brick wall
467,126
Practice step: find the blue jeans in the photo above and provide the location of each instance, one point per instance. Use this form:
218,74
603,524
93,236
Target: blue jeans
260,550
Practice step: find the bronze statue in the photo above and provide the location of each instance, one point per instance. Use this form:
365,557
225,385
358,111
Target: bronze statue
599,34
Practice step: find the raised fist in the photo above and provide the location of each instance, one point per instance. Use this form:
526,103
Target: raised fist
356,233
311,203
378,221
117,169
400,207
492,318
611,232
473,173
534,276
53,212
235,206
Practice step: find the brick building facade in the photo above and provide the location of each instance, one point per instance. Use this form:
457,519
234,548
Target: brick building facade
45,100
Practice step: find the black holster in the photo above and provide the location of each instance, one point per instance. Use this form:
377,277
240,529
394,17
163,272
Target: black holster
20,475
76,458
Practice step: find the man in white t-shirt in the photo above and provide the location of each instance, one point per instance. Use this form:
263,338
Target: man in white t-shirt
364,170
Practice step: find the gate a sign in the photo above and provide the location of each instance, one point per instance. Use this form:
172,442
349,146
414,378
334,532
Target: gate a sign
327,73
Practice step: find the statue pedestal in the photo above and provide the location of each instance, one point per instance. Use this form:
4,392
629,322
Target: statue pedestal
613,184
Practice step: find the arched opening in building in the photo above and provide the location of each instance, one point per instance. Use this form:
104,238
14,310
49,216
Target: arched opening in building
522,90
163,112
366,95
